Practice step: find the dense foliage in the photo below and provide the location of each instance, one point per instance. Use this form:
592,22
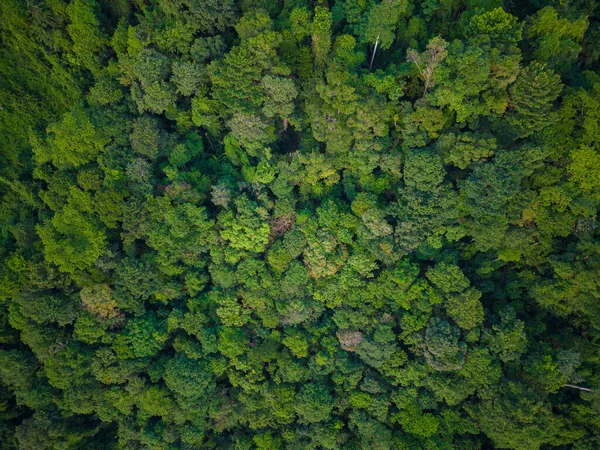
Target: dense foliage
343,224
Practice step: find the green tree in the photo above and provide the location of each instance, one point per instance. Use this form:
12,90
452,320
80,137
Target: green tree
85,31
443,349
73,239
192,381
556,40
72,142
245,230
532,97
314,403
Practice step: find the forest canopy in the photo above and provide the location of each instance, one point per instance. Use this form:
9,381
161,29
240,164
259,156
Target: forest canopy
296,224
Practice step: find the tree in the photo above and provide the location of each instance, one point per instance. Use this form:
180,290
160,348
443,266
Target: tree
428,61
466,309
555,39
84,29
42,430
187,77
584,168
245,230
466,148
251,131
180,234
281,93
515,419
73,239
143,336
448,278
321,34
74,141
190,380
314,403
443,349
151,67
381,24
532,96
145,137
423,170
508,339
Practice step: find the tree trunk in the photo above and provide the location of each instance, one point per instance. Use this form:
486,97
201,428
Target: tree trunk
374,51
578,387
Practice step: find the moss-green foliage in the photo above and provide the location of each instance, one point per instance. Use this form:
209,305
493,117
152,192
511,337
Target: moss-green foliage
345,224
